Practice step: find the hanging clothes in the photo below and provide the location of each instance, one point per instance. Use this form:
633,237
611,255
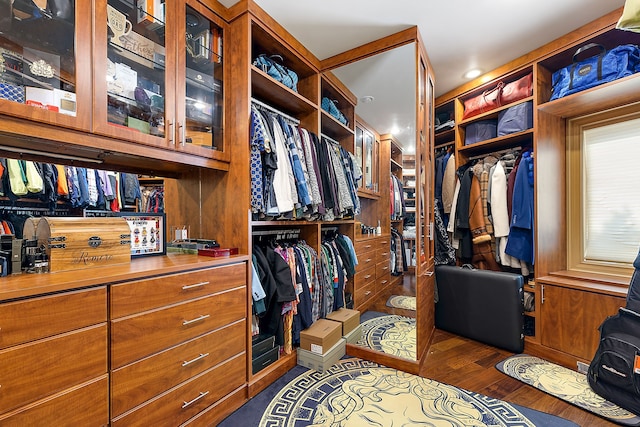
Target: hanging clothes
521,232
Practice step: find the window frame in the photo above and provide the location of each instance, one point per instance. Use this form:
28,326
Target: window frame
574,191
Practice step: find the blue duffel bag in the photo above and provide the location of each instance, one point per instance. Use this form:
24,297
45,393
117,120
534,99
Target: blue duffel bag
607,66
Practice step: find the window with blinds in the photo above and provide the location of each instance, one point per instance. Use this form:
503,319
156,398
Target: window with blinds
603,189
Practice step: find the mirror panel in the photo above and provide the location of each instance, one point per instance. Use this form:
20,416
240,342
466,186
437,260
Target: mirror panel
386,87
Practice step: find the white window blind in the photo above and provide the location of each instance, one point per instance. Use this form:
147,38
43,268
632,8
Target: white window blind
611,192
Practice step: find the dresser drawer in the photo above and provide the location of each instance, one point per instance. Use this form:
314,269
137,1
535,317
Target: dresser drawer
382,268
382,282
366,260
143,295
29,372
384,243
84,405
364,277
40,317
185,401
141,335
366,245
364,293
138,382
383,255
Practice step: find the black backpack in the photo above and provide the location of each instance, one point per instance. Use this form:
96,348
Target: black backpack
614,372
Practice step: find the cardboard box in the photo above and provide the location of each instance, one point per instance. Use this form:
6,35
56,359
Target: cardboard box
350,319
354,336
320,336
322,362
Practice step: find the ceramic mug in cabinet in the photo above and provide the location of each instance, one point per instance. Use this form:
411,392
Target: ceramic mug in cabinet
118,23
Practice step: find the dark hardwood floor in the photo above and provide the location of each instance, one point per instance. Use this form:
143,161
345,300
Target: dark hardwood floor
470,365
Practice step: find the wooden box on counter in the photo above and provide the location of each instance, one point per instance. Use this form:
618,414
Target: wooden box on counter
78,243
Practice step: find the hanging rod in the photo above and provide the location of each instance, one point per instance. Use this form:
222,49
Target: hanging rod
273,232
31,209
324,229
495,153
322,135
274,110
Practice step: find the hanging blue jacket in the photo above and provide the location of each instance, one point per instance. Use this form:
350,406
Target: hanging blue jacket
520,243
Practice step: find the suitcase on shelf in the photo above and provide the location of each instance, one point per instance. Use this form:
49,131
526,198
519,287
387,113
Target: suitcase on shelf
515,119
480,131
483,305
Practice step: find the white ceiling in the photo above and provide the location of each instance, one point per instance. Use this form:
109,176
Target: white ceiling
458,34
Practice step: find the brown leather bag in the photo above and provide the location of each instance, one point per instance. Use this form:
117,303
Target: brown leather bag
486,101
517,90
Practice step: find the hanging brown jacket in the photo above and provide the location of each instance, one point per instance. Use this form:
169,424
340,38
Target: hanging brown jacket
482,254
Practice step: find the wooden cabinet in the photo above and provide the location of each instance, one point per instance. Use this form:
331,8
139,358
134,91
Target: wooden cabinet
372,276
569,304
570,318
53,358
166,353
164,76
45,66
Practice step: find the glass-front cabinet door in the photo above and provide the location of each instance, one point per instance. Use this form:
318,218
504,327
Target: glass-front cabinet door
134,91
199,86
162,82
366,153
45,61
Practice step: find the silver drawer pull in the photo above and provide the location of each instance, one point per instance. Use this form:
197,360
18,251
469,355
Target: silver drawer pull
189,362
366,294
197,319
202,394
384,253
368,260
385,268
367,276
384,281
367,246
195,285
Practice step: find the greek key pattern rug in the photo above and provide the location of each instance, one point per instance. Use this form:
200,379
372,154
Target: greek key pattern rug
391,334
356,392
566,384
402,301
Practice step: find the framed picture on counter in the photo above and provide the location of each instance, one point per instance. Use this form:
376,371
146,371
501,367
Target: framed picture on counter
148,233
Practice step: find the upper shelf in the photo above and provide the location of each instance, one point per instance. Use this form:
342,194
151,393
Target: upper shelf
279,96
609,95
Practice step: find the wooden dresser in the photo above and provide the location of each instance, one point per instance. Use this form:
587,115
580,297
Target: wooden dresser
159,342
373,271
53,359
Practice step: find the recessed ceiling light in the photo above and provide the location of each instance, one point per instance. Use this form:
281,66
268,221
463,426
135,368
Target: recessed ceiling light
472,74
367,99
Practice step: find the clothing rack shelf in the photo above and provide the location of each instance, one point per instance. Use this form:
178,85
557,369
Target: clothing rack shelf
261,104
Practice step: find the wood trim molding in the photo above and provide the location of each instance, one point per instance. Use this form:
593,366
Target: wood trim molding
375,47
